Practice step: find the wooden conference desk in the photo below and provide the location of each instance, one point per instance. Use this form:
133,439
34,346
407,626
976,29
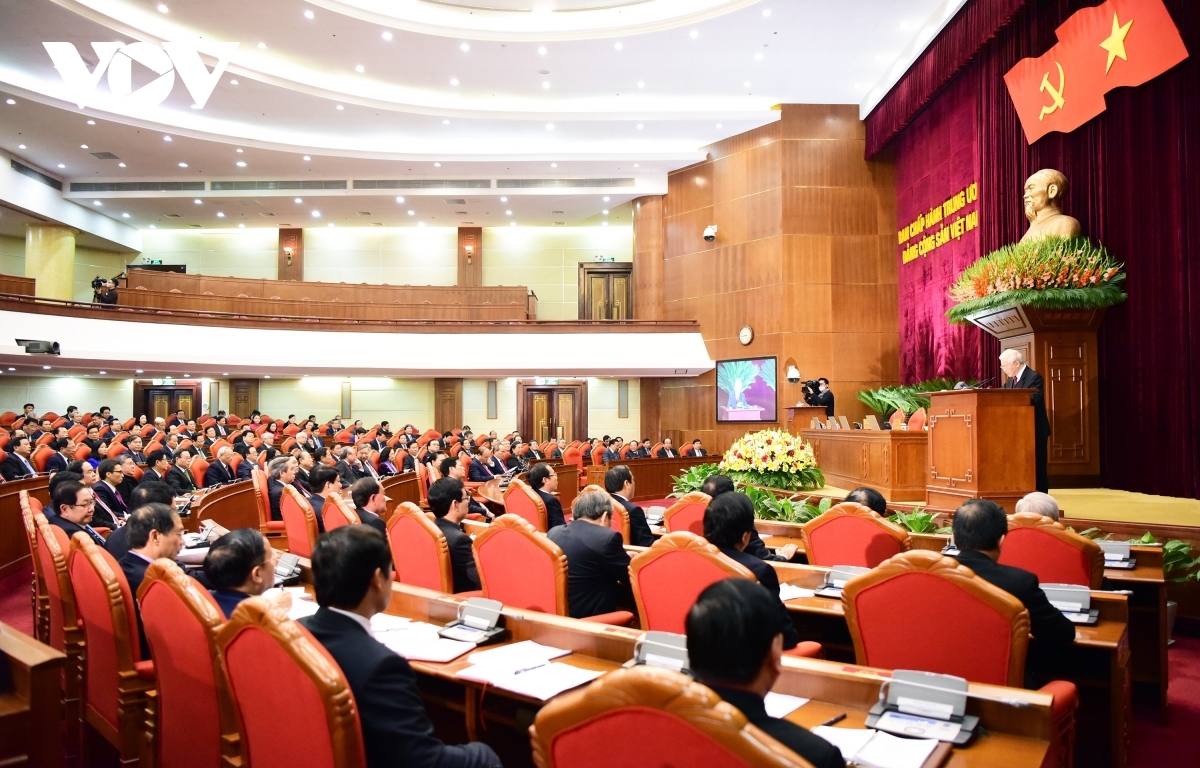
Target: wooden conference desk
31,708
652,478
1015,736
893,462
14,543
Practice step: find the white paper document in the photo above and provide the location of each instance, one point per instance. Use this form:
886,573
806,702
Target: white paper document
789,592
385,622
540,682
300,607
517,655
193,556
875,749
781,704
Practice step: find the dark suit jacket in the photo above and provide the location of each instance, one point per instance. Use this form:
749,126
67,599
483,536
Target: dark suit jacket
108,505
554,510
275,493
1031,379
373,520
639,529
180,481
126,487
135,567
313,443
72,528
245,469
228,599
138,457
610,455
346,472
56,463
478,472
533,453
555,453
409,464
462,555
666,453
396,731
216,474
13,468
757,548
766,576
826,399
117,543
1048,624
811,747
150,476
597,568
699,452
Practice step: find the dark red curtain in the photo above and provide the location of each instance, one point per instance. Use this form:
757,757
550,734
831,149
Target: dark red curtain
1135,186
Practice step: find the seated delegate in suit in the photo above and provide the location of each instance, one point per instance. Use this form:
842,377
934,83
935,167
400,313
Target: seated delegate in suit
735,648
129,481
179,477
450,467
110,507
219,471
728,521
371,502
534,453
409,463
544,480
71,509
450,503
352,578
155,531
135,445
612,454
980,526
117,543
16,464
324,481
365,468
869,498
64,454
484,466
597,563
559,449
157,466
281,471
345,461
714,486
618,481
667,451
698,448
1040,503
241,564
249,461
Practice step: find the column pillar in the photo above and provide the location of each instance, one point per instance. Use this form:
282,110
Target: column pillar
648,244
50,260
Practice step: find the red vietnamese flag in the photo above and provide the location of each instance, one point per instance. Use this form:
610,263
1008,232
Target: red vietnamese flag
1118,43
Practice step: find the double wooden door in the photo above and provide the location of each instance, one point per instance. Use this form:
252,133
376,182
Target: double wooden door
165,402
605,291
550,415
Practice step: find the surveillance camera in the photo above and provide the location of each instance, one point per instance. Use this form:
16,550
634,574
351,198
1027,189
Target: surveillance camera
793,374
710,232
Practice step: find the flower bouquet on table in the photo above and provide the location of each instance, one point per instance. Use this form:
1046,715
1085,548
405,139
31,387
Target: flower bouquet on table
774,459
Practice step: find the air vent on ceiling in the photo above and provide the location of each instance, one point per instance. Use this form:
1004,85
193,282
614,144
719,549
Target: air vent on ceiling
461,213
364,213
454,201
105,156
265,214
251,186
561,183
25,170
556,213
560,223
376,223
137,186
469,223
422,183
172,215
195,226
248,201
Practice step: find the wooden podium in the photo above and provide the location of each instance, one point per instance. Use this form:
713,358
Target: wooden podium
799,417
981,446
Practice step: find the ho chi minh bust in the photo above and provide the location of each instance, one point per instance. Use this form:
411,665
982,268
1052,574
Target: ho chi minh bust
1044,192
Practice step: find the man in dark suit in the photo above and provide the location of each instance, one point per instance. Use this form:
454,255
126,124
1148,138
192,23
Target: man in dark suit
1021,376
309,441
618,481
352,577
241,564
979,529
824,396
110,506
157,466
450,503
345,466
559,448
410,458
612,454
134,444
222,427
544,480
667,451
170,445
72,507
728,523
249,461
155,531
734,648
698,448
450,467
534,453
117,543
484,466
17,464
129,479
371,502
597,564
714,486
280,472
64,454
218,471
324,482
177,420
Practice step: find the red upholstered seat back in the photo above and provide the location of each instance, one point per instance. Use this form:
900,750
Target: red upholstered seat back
1051,559
598,455
262,496
687,514
189,722
199,468
419,551
337,514
105,658
947,630
523,501
515,571
669,586
849,540
58,588
618,737
297,526
40,456
82,453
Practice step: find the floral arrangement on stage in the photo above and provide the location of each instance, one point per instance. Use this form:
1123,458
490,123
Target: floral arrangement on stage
774,459
1054,273
910,397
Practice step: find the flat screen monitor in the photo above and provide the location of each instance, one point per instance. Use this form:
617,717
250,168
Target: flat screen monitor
746,390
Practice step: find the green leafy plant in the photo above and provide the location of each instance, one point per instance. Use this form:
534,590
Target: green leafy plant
918,521
1089,533
794,509
691,480
1054,273
906,397
1178,563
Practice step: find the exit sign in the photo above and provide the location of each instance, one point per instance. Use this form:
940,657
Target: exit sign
151,261
163,382
545,382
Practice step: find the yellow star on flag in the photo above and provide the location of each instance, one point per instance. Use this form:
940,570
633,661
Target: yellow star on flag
1115,44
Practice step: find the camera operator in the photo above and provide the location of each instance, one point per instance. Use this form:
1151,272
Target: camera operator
104,291
818,393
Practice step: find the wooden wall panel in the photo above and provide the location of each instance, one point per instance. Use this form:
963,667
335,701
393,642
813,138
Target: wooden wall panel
291,266
470,256
447,404
648,257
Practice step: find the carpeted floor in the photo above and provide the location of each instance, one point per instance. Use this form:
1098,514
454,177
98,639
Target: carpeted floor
1151,745
1126,507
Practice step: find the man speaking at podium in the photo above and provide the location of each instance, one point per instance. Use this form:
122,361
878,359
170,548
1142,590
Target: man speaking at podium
1021,376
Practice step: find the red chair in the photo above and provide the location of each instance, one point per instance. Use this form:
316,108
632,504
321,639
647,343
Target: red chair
199,468
116,679
985,643
620,518
30,508
75,431
687,514
896,419
598,455
82,452
419,550
262,501
650,717
686,450
299,521
291,430
40,456
338,512
852,534
181,620
524,569
65,631
6,419
523,501
1051,552
669,576
625,449
274,666
574,456
917,421
654,450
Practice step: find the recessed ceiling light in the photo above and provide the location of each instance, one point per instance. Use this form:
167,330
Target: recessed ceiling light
12,369
263,46
411,213
387,35
639,126
464,47
437,165
103,373
605,212
340,107
298,200
91,122
512,223
360,68
60,165
420,223
454,81
95,202
45,367
331,223
641,84
399,199
197,201
83,146
316,214
266,377
545,84
241,226
139,370
508,213
307,158
694,34
746,84
549,126
718,125
166,138
233,82
504,199
120,165
183,165
542,50
10,101
20,146
309,14
220,215
238,150
605,198
124,215
604,223
635,165
618,46
241,164
162,8
553,165
758,57
151,227
445,122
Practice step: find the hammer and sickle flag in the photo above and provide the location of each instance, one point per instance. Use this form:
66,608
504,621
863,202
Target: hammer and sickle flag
1118,43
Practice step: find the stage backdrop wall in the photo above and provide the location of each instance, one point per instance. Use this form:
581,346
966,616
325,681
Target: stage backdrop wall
1134,175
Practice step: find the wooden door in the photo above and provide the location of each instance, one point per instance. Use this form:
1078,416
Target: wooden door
605,291
447,407
166,402
548,412
243,396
